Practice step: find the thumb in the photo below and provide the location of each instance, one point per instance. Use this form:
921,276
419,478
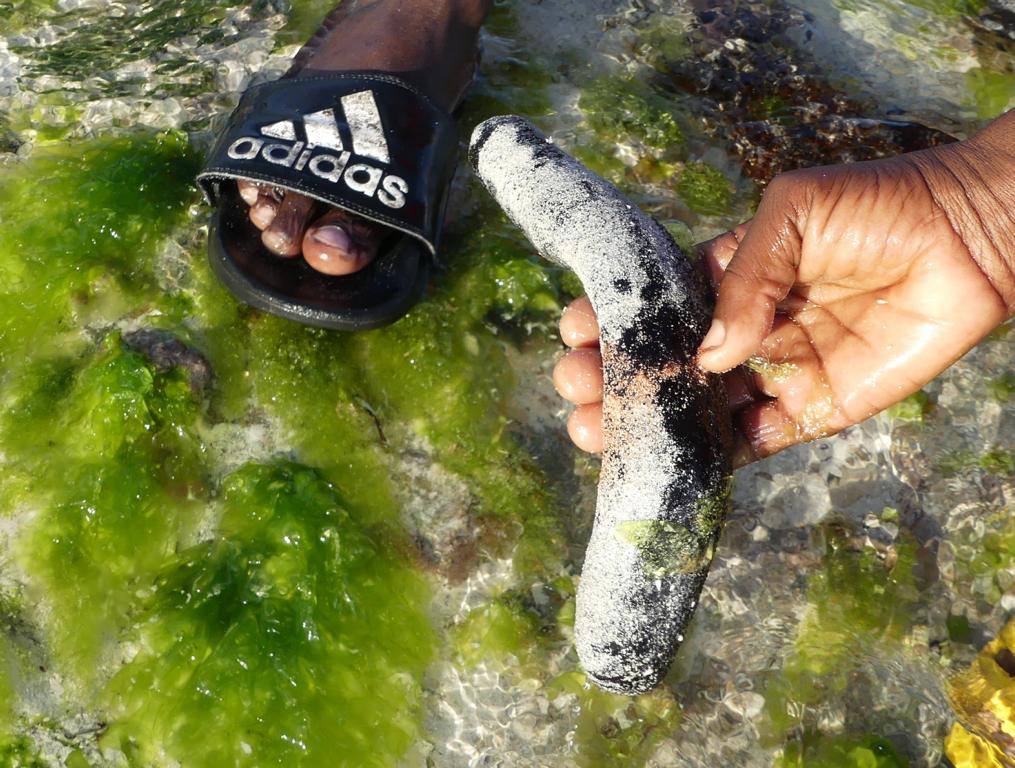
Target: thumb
760,275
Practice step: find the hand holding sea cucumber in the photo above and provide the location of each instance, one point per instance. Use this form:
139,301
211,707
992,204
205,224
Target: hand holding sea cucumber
851,288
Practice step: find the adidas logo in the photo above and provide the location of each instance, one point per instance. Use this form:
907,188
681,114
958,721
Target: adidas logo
321,131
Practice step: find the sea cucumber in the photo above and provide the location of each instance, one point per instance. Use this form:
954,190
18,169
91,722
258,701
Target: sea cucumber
665,481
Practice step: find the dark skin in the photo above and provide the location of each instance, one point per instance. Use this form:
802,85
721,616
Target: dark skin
432,44
850,289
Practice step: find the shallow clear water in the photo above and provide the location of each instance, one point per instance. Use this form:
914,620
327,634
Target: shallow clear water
229,540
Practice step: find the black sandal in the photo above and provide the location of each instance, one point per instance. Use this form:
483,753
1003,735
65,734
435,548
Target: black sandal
367,142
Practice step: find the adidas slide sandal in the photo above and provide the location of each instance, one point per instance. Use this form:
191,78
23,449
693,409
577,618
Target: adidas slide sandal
366,142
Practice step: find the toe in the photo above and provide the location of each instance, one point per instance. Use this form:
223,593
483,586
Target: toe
578,324
248,191
284,235
263,211
265,206
585,426
340,243
578,376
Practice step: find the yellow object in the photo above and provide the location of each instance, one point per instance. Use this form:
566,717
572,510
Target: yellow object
967,750
984,699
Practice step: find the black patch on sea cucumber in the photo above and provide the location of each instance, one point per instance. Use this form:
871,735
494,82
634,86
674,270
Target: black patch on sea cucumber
664,332
480,137
622,285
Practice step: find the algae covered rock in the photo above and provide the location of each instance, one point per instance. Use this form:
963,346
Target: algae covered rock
280,638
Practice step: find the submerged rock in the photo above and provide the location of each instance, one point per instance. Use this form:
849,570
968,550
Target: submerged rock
165,352
754,85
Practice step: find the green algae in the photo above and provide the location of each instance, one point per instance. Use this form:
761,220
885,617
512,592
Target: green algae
666,548
998,461
1002,388
614,730
50,119
105,446
20,752
438,380
21,662
663,40
705,189
959,629
110,456
6,689
992,92
816,751
97,427
856,605
621,108
20,14
951,8
518,637
778,372
684,237
995,460
515,637
290,632
497,631
710,512
81,227
912,408
304,17
77,759
982,561
525,287
84,51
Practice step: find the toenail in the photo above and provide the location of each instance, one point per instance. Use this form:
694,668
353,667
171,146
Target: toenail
334,237
262,214
249,194
277,240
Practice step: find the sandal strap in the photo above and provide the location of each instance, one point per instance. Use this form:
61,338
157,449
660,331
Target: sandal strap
368,142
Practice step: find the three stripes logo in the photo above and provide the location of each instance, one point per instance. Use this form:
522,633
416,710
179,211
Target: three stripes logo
321,132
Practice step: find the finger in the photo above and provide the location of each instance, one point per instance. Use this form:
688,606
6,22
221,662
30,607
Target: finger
760,274
578,324
578,376
248,191
717,253
741,390
767,429
585,426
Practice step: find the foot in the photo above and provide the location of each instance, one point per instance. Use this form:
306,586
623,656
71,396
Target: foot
430,43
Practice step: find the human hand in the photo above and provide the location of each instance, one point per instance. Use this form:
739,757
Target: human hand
851,288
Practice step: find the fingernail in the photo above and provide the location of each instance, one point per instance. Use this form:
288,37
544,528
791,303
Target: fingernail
715,337
334,237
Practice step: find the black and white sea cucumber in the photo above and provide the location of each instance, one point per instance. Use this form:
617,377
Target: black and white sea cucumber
665,481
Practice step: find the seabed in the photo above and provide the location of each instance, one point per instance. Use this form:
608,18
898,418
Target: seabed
229,540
